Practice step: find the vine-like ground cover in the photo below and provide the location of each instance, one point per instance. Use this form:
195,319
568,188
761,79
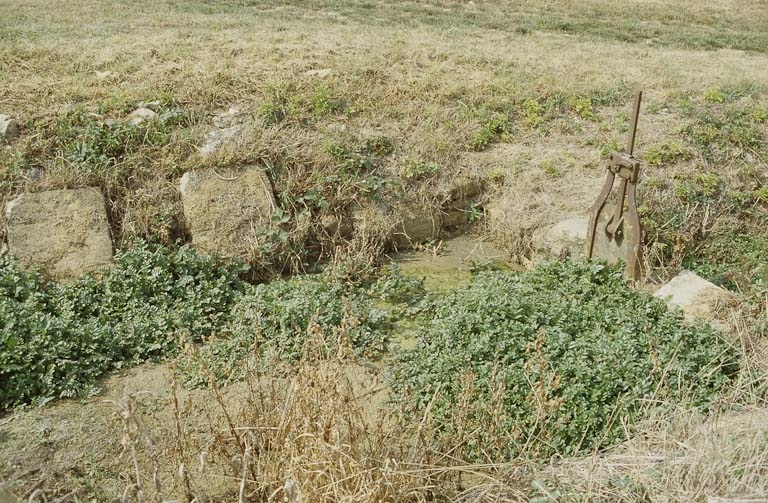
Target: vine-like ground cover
56,339
557,360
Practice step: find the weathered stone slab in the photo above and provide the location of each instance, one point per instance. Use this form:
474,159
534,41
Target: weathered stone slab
225,211
64,232
417,224
694,295
569,237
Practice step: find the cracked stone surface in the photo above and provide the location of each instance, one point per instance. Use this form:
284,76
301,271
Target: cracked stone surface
227,210
63,232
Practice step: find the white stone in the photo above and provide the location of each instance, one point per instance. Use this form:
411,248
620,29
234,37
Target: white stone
9,128
694,295
141,115
215,139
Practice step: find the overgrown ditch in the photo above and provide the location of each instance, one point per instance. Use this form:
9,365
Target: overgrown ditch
561,359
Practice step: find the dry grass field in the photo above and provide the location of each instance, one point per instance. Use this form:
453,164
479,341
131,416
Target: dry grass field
524,99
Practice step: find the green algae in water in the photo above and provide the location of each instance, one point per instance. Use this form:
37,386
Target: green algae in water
454,264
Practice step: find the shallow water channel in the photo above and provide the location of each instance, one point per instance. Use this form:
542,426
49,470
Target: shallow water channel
444,268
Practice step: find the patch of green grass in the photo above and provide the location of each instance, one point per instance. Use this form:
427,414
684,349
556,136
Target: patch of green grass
734,258
760,195
726,130
700,187
493,128
539,112
582,106
359,156
732,92
417,170
532,113
611,145
277,104
325,101
300,102
666,154
97,146
714,95
558,360
551,169
689,25
692,26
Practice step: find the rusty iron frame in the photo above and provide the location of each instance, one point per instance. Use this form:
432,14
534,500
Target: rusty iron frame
627,168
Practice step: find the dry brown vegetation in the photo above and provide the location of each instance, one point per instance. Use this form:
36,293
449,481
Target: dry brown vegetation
523,99
528,100
324,430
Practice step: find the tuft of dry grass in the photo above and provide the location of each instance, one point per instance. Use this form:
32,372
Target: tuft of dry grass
322,433
680,457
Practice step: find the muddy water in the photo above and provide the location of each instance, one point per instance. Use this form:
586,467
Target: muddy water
444,268
450,265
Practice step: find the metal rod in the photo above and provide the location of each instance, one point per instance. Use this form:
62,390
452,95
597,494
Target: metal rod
634,248
633,123
594,214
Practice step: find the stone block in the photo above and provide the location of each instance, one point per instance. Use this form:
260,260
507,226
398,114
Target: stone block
63,232
226,211
694,295
9,128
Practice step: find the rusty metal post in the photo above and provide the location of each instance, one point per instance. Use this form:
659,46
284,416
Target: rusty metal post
627,168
